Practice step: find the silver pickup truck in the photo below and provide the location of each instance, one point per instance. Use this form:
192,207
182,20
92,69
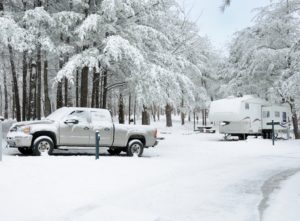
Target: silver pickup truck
76,127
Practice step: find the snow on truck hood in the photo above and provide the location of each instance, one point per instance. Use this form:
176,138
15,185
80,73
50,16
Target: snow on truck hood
26,123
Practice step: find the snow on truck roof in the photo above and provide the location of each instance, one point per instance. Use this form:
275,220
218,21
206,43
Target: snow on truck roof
59,113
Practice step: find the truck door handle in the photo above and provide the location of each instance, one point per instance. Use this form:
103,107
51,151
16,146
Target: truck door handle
106,129
86,128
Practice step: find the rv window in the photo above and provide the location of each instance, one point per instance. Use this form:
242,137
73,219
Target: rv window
266,114
277,114
284,117
247,106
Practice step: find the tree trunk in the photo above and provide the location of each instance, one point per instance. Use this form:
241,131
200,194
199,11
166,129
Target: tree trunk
1,100
205,117
182,118
15,83
35,94
145,116
66,85
121,110
129,109
25,67
13,106
104,95
295,120
168,115
31,91
39,82
5,98
101,89
84,87
154,113
134,112
46,89
1,6
77,89
24,106
85,70
59,93
182,112
95,90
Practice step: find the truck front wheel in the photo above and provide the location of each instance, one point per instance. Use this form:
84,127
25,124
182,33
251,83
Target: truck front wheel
43,145
135,148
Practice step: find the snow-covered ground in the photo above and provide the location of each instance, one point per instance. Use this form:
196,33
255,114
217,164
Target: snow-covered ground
188,176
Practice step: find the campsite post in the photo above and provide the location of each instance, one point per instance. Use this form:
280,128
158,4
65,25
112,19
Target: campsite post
194,120
1,146
273,135
97,144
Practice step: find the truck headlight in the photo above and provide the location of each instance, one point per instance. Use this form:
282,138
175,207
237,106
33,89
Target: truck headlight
26,130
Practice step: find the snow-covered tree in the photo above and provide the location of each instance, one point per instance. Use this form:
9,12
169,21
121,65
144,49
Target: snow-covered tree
262,56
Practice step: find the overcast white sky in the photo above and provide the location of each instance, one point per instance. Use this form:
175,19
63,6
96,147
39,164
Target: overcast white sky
218,26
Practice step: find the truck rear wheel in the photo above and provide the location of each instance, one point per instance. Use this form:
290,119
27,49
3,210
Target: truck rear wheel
43,145
135,148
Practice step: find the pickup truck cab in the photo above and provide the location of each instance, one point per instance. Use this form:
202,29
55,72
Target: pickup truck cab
76,127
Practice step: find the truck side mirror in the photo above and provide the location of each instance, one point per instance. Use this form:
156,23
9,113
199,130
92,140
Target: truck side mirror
71,121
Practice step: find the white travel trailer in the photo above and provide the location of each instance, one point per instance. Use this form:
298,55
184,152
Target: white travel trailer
249,115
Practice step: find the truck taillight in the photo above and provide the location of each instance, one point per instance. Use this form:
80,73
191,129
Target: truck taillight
155,133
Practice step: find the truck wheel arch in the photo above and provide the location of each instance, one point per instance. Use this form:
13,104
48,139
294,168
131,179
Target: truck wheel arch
44,133
137,137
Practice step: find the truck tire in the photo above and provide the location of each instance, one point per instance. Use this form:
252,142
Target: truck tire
114,151
135,148
25,150
43,145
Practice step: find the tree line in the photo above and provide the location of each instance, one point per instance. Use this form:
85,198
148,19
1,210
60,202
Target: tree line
145,55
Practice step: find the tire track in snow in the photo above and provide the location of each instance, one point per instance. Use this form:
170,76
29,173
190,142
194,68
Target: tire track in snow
272,184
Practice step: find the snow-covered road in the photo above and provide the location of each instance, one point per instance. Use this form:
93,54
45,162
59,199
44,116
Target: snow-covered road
187,177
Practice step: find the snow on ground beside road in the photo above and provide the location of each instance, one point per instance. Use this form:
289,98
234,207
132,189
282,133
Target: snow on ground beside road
189,176
285,202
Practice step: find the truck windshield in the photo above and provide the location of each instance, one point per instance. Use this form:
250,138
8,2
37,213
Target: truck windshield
57,115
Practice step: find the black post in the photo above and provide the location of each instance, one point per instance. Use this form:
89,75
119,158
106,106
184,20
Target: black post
273,135
0,140
194,121
97,144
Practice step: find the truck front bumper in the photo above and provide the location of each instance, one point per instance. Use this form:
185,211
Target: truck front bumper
15,140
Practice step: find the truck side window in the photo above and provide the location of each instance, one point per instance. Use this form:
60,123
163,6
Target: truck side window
80,115
266,114
247,106
277,114
284,118
98,116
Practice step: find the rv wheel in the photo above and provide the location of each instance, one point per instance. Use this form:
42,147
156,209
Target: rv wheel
242,137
